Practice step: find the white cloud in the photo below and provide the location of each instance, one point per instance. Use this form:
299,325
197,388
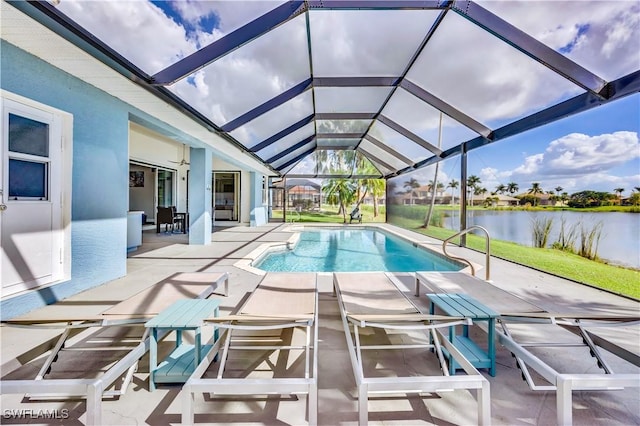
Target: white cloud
137,30
579,161
579,153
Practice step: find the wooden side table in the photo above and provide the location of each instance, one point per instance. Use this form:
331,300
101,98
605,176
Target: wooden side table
183,315
462,305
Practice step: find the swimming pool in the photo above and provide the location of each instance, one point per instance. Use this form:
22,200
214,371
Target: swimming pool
353,250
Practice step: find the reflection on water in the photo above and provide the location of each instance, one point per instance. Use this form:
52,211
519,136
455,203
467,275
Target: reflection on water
619,240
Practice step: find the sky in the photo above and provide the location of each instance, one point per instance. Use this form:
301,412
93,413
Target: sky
597,150
463,65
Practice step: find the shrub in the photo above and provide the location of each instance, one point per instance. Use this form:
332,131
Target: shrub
541,230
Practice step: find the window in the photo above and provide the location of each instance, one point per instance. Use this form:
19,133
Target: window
28,146
27,179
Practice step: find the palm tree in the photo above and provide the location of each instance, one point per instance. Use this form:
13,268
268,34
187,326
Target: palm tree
342,192
558,190
411,184
535,190
512,188
636,188
472,183
501,189
376,187
619,191
453,185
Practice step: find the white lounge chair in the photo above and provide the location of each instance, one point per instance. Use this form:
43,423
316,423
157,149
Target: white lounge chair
135,310
284,303
592,330
372,300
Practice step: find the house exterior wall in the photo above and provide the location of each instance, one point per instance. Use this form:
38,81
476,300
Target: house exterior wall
100,180
99,177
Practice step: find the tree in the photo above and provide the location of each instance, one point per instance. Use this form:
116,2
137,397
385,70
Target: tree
376,187
472,183
411,184
535,190
479,191
342,192
590,199
501,189
453,185
619,191
512,188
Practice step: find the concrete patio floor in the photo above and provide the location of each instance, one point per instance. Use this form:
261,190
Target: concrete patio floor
512,403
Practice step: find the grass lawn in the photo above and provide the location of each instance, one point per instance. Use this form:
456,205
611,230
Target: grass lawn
329,214
616,279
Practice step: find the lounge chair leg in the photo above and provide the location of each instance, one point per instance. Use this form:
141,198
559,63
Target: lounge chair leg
564,401
484,404
363,404
312,402
94,403
188,415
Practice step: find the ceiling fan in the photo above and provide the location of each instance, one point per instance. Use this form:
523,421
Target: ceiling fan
182,162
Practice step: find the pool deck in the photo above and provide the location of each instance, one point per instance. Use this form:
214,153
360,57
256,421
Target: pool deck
231,250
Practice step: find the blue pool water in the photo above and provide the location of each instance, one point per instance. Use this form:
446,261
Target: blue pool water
352,250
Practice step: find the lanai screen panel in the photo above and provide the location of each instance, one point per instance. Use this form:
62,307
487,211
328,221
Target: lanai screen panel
275,120
400,143
325,163
343,126
292,81
250,75
366,43
132,28
303,135
487,78
424,120
599,35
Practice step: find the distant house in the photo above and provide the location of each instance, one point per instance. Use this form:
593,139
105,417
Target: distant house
499,200
422,196
303,193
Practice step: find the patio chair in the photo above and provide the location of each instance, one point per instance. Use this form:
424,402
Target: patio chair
572,329
168,217
355,215
280,317
134,311
372,301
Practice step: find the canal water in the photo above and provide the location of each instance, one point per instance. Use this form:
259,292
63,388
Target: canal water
619,239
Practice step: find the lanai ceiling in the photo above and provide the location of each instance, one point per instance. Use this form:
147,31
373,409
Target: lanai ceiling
364,88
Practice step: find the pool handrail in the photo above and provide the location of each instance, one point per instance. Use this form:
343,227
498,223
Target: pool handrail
487,250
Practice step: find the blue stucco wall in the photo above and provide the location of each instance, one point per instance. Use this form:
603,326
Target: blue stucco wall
100,174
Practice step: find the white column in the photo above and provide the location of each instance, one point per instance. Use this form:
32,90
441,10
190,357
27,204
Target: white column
258,209
200,196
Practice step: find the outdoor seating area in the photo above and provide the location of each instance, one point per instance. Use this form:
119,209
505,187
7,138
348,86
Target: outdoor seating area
357,346
280,213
